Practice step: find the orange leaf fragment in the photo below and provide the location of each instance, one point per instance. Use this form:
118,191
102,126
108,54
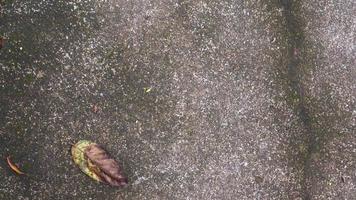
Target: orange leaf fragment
13,166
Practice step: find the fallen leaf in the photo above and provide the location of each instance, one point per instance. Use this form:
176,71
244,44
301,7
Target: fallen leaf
97,164
95,108
342,179
13,166
81,160
258,179
2,42
40,74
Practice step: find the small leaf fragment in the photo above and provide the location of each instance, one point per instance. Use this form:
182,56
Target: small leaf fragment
13,166
258,179
97,164
147,89
40,74
95,108
2,42
342,179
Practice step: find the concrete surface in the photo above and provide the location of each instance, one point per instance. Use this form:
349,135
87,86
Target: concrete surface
196,99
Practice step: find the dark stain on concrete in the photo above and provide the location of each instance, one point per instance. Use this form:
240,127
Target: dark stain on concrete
296,72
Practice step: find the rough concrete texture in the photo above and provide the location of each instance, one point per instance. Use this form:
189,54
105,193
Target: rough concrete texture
196,99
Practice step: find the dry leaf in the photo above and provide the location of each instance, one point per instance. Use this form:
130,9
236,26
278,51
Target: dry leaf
258,179
80,159
13,166
2,42
110,172
342,179
40,74
96,163
95,108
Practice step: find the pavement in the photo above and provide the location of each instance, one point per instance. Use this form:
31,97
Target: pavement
195,99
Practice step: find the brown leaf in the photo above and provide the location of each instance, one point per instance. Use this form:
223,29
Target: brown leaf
258,179
106,168
95,108
2,42
13,166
